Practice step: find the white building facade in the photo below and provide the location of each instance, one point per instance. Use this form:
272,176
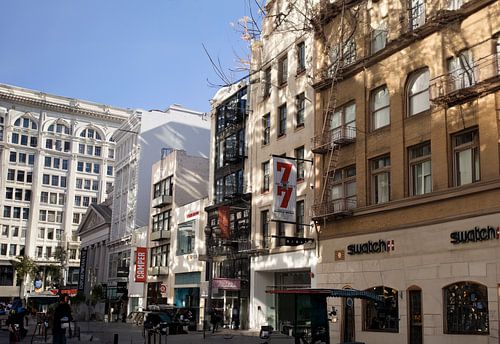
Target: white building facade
144,138
56,158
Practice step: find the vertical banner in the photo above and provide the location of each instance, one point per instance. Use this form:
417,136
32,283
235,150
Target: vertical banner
83,269
141,257
223,215
285,189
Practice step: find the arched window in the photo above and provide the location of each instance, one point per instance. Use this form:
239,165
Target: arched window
418,92
466,308
91,134
382,316
25,122
60,128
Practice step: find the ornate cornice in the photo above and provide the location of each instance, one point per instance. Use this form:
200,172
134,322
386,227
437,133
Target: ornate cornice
72,108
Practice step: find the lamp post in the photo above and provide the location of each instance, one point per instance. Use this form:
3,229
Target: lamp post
211,234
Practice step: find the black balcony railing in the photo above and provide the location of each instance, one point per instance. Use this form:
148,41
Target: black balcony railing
467,81
334,208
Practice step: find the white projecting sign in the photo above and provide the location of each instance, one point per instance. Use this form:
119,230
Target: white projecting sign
285,189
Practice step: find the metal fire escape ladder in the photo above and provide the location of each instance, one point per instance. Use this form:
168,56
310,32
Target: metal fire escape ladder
333,149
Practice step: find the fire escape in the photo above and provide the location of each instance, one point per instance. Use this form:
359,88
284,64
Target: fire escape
332,137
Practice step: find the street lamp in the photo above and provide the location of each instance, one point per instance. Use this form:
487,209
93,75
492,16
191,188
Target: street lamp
211,233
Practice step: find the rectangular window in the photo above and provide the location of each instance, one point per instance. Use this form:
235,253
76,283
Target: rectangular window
282,120
343,123
281,233
88,167
65,164
300,155
76,218
79,183
57,163
267,85
97,168
15,138
300,219
31,159
33,141
55,180
3,249
50,233
109,171
420,169
380,108
461,71
111,153
24,140
90,149
266,177
264,225
29,177
7,211
185,237
416,13
79,166
11,174
22,158
81,148
466,157
26,213
86,201
13,157
48,143
62,199
20,176
283,70
95,185
27,195
16,214
87,184
5,231
9,192
380,171
301,57
67,146
300,102
39,252
15,232
379,38
78,201
18,196
266,129
47,161
97,151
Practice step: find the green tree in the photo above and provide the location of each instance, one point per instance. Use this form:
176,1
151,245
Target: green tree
25,267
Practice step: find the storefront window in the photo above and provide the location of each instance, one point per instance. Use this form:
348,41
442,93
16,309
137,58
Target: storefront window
185,238
466,307
382,316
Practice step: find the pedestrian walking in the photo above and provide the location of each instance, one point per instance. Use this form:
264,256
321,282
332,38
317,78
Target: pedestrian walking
62,321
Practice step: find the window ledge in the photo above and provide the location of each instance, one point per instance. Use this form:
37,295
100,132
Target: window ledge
381,130
425,113
299,126
300,72
281,137
456,191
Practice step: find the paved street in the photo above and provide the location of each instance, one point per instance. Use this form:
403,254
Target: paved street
99,332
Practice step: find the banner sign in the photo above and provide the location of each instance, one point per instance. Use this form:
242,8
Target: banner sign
226,283
223,217
285,189
82,271
141,257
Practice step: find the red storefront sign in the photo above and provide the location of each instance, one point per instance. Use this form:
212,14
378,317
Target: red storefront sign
226,283
141,257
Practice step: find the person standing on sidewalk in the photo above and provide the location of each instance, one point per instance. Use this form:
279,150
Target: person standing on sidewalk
62,320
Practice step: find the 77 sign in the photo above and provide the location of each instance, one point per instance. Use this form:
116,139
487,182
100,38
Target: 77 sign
285,189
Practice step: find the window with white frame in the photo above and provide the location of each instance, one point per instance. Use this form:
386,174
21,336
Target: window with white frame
343,122
301,57
461,71
379,37
416,13
282,120
300,102
418,92
344,55
380,108
381,179
266,129
466,157
186,237
343,189
267,82
266,176
300,156
159,256
420,169
283,70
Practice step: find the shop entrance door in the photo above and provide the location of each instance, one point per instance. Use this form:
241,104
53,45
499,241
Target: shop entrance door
348,320
415,316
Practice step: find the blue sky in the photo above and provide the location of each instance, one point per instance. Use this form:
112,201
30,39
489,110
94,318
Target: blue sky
128,53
